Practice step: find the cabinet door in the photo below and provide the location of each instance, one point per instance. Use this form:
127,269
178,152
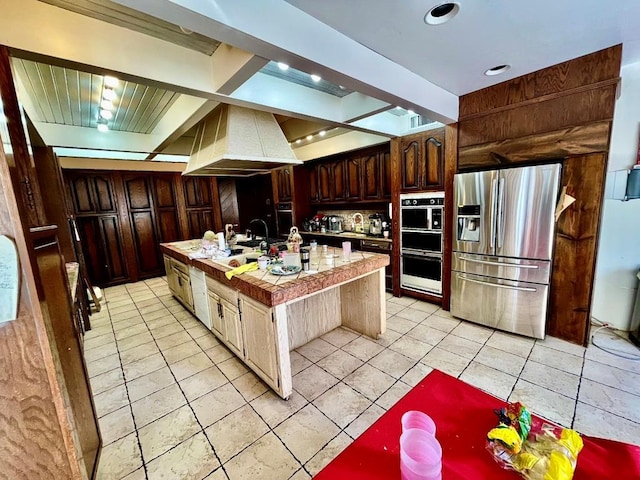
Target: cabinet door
81,194
260,340
324,182
434,163
410,164
353,180
187,293
385,174
172,276
283,184
205,197
191,191
233,327
166,208
339,180
313,185
215,313
371,177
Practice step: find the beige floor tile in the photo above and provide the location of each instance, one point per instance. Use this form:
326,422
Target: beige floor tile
250,386
412,314
119,458
416,374
139,353
153,306
411,347
503,361
364,421
232,368
217,475
274,410
328,453
460,346
235,432
167,432
389,398
339,336
150,383
166,330
191,365
159,318
342,404
388,337
316,350
170,341
610,399
102,365
551,378
600,423
206,341
443,313
445,324
557,359
498,384
111,400
473,332
300,475
192,459
134,341
198,330
425,333
267,459
94,341
550,405
306,432
369,381
219,354
612,376
598,355
129,322
511,343
137,475
298,362
399,324
562,345
106,381
445,361
392,362
122,312
180,352
393,308
363,348
97,353
425,307
98,330
116,425
404,301
202,382
131,331
143,367
340,364
157,404
313,382
217,404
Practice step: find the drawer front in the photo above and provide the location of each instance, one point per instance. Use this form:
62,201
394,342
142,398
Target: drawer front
180,266
227,293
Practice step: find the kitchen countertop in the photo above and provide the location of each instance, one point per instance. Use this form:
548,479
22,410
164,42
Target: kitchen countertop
274,290
362,236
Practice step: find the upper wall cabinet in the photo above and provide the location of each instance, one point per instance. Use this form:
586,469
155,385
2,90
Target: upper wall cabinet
282,179
92,194
422,161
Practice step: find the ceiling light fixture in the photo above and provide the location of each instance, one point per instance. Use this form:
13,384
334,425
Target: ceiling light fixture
322,133
102,125
111,82
342,87
299,140
109,94
309,137
411,112
106,114
283,66
441,13
316,78
497,70
106,105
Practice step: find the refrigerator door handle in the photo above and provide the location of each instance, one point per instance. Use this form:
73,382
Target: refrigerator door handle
499,264
494,192
497,285
500,210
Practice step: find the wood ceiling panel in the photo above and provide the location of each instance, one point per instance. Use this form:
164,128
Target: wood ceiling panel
131,19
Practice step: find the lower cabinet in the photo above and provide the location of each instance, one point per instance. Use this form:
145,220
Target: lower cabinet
215,312
232,327
260,343
179,281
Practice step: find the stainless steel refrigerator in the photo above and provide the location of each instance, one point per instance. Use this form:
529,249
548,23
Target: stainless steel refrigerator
502,247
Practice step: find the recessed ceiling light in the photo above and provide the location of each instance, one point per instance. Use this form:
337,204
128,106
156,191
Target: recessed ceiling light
299,140
411,112
106,105
398,108
185,30
109,94
283,66
342,87
322,133
111,82
497,70
106,114
316,78
102,127
441,13
309,137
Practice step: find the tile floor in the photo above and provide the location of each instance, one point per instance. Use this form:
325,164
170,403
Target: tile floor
175,403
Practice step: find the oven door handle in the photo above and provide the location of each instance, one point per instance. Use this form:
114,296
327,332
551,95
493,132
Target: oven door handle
497,285
420,254
499,264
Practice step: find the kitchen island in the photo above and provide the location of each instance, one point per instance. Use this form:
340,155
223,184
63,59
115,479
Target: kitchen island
260,316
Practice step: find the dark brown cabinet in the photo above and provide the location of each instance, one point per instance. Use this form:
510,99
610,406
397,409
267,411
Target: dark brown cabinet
166,203
102,249
282,179
353,170
339,185
422,161
371,184
386,174
199,202
325,179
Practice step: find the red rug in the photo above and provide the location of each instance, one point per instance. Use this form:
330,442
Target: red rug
463,416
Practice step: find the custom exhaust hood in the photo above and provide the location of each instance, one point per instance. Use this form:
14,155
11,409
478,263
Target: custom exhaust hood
237,141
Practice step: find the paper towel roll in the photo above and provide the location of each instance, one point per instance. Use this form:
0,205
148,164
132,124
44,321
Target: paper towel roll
221,241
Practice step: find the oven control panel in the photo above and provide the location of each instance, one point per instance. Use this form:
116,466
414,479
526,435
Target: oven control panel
421,202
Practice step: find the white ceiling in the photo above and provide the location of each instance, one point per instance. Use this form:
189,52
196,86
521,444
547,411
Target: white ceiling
381,51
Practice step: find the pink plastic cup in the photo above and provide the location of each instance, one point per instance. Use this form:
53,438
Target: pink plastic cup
419,420
420,456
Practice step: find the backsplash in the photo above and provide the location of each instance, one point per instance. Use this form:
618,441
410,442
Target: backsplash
348,216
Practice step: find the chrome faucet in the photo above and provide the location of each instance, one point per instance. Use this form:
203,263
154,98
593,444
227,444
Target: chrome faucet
266,230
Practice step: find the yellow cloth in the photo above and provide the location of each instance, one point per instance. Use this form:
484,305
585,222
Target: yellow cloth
247,267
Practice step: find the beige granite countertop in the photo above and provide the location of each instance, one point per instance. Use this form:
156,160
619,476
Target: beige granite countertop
345,235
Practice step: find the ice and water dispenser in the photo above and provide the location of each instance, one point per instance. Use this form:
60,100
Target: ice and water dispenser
469,223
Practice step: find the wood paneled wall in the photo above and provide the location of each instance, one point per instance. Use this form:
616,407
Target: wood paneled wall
564,111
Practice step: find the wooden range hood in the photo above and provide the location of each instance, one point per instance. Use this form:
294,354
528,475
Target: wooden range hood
237,141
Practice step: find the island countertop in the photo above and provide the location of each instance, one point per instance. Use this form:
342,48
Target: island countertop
272,290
